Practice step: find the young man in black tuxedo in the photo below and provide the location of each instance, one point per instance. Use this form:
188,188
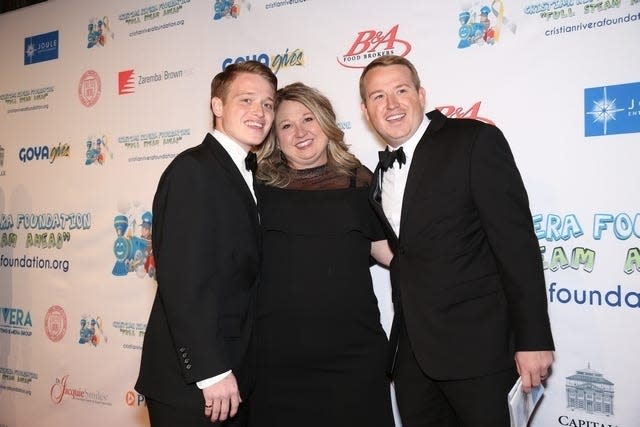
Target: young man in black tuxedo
196,363
467,277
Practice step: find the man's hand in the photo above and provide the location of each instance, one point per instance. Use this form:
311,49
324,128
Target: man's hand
533,367
221,400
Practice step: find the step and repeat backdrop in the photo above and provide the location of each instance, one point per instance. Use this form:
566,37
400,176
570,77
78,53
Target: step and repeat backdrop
97,97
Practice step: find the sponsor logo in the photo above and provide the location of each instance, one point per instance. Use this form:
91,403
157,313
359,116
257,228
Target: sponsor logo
133,253
27,154
152,13
134,399
40,48
97,150
131,330
282,3
472,112
91,331
129,79
229,8
287,59
19,377
126,83
590,392
89,88
63,389
154,139
99,32
19,101
55,323
371,44
43,235
15,321
483,26
612,110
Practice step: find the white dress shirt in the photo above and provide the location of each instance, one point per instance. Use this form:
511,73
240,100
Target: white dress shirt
237,154
394,179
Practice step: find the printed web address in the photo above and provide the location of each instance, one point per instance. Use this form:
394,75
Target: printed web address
592,25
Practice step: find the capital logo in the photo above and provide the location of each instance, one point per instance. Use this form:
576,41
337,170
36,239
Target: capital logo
612,110
55,323
40,48
589,391
371,44
99,32
126,82
89,88
472,112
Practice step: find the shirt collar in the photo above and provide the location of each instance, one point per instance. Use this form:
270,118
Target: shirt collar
409,146
235,151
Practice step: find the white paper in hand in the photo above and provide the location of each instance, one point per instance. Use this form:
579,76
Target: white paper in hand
521,404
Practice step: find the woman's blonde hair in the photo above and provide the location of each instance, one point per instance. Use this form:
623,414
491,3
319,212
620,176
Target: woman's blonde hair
272,164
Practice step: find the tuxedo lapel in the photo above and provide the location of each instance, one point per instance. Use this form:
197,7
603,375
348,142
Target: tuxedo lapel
375,197
228,166
419,163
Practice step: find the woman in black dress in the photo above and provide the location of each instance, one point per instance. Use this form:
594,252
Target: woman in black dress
321,349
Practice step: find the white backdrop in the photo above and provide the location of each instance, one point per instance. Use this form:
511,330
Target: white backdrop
97,97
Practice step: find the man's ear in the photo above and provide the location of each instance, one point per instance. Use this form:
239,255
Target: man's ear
422,95
216,106
363,108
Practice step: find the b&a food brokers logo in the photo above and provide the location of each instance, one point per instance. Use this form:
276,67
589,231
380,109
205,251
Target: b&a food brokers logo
612,110
371,44
43,47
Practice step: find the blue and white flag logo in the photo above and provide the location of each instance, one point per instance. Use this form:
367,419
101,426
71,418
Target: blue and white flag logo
611,110
43,47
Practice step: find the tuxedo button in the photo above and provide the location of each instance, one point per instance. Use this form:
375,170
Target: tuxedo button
184,355
187,361
182,349
188,367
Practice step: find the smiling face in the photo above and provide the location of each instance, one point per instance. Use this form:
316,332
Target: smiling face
246,113
299,136
392,103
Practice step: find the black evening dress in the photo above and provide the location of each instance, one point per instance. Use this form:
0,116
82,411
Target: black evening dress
321,349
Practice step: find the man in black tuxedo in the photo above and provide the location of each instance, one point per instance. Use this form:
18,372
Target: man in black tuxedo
467,278
196,363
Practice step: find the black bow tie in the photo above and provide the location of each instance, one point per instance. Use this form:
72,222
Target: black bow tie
388,157
251,161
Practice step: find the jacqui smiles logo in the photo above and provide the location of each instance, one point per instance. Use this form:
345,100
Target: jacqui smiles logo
371,44
62,387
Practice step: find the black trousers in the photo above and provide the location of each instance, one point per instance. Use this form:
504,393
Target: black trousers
163,415
426,402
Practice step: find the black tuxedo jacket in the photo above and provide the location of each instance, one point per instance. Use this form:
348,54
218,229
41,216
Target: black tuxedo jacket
206,247
467,274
